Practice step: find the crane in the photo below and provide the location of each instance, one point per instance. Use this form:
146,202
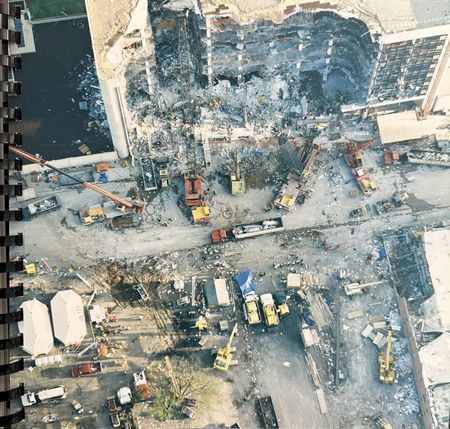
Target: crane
386,362
237,181
224,355
135,206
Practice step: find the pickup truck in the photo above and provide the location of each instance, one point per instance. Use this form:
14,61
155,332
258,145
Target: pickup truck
87,369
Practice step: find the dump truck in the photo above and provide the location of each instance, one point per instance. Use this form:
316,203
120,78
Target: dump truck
141,385
113,410
41,207
92,215
251,309
249,230
269,310
246,283
87,369
43,395
193,191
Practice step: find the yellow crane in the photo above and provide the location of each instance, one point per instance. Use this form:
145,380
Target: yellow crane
386,362
224,355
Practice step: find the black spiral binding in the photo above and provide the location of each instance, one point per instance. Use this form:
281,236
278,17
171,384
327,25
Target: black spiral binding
10,413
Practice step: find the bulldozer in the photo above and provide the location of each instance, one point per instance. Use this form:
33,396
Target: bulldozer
386,362
224,355
378,421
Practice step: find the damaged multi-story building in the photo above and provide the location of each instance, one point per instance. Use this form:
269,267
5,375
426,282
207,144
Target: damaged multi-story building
220,70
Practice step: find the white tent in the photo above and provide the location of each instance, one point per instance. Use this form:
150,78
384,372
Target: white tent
36,328
69,323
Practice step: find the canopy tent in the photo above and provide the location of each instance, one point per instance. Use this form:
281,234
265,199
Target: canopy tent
246,283
69,323
36,328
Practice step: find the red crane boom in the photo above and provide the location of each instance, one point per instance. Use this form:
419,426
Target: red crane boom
136,206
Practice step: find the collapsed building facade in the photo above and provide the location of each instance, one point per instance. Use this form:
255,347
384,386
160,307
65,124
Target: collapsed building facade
220,71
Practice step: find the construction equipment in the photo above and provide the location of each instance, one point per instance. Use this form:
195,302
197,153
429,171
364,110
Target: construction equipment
30,269
237,181
87,369
201,214
163,175
136,206
224,355
380,421
102,167
353,152
281,302
92,215
269,310
194,196
397,200
386,362
201,324
141,386
41,207
391,157
354,159
357,288
251,309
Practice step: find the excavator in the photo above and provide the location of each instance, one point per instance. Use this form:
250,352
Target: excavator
224,355
353,153
386,362
136,206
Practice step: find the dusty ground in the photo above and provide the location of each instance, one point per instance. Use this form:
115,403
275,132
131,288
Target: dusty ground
269,363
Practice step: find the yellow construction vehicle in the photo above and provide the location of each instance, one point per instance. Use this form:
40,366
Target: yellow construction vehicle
30,269
380,421
224,355
201,324
386,362
237,181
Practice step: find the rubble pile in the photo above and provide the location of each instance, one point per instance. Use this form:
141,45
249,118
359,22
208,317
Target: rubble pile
92,97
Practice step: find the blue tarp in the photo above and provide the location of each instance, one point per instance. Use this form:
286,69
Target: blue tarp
246,282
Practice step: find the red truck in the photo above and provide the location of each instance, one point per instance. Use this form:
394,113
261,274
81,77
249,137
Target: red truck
87,369
193,191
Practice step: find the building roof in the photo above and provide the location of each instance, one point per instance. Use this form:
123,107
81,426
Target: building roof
437,249
112,25
404,126
69,323
36,328
386,16
435,360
